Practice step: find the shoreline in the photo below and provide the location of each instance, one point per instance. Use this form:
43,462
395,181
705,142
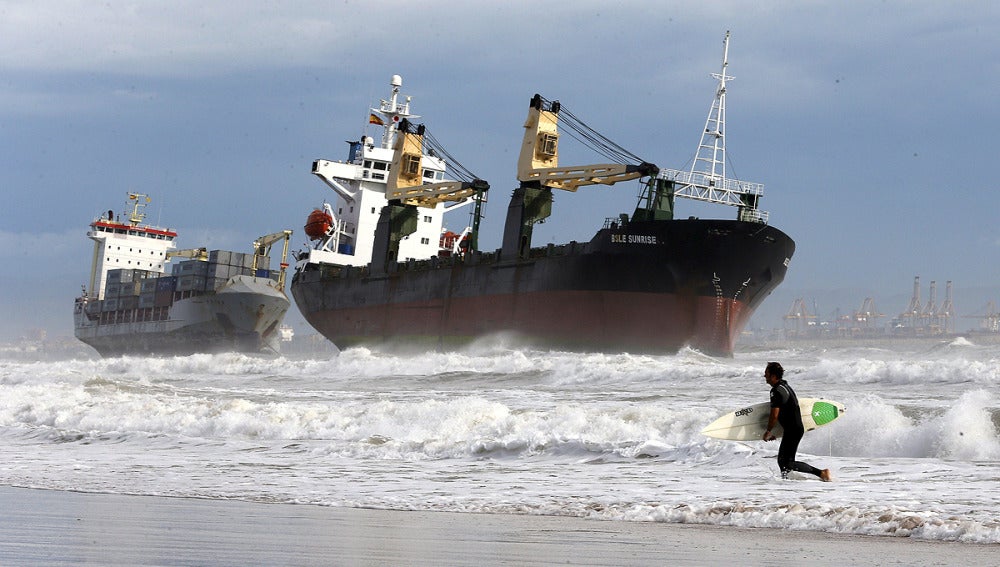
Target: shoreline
59,527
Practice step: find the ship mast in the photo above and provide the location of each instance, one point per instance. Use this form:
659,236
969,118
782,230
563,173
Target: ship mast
137,215
707,180
712,148
391,112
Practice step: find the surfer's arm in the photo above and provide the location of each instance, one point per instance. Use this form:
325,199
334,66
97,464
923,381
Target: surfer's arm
771,421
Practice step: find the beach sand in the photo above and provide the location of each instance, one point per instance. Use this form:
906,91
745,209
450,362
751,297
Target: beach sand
43,527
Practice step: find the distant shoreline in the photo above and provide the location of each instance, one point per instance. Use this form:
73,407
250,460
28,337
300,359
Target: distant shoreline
751,343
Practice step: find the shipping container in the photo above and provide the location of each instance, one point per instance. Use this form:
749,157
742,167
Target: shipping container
148,285
193,268
127,303
163,299
110,305
147,300
119,275
223,271
166,283
130,289
213,284
94,307
223,257
191,283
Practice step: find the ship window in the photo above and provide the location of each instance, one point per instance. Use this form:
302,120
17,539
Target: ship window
427,218
548,144
380,165
411,165
373,210
368,163
425,240
378,176
428,174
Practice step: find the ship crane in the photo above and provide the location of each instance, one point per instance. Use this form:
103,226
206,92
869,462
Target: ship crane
539,172
406,178
405,191
707,180
200,254
262,247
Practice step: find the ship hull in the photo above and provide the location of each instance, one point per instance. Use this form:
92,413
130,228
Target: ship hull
242,317
653,287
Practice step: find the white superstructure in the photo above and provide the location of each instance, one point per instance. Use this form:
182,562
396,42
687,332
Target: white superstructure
360,188
126,244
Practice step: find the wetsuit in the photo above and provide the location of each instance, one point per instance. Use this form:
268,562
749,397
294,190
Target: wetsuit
790,418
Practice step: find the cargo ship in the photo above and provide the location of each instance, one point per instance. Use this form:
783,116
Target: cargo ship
210,301
383,270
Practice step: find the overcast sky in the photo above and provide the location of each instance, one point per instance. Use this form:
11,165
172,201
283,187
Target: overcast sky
872,125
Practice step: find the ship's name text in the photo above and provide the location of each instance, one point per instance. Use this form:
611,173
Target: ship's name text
633,239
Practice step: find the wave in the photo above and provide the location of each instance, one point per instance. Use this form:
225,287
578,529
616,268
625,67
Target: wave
461,424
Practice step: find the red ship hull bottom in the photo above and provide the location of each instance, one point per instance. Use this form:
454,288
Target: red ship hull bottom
604,321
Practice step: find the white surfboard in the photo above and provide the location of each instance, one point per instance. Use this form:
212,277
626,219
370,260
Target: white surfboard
749,423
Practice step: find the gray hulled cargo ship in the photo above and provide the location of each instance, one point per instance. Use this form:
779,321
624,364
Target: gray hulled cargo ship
383,270
209,301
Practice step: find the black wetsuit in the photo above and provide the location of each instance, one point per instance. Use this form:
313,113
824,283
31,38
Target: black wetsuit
790,418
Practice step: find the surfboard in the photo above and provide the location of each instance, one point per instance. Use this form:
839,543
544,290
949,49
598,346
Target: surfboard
748,423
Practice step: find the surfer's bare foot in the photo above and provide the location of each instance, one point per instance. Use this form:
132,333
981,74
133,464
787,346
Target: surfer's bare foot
824,475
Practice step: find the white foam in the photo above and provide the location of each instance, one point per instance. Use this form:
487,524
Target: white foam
494,428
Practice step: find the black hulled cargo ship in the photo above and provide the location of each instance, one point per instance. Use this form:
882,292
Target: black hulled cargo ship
382,270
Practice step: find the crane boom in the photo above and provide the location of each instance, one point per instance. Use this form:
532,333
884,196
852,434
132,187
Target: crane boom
262,247
539,159
192,253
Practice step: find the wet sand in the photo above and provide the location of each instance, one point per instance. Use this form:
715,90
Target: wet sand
42,527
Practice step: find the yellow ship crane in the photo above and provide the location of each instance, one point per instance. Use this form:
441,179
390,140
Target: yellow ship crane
406,190
539,159
262,247
539,172
406,174
200,254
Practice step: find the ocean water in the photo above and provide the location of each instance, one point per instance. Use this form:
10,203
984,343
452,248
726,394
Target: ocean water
498,429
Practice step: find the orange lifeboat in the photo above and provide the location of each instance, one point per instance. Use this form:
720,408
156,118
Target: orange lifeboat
318,224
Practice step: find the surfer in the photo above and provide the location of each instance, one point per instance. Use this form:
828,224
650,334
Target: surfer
785,410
